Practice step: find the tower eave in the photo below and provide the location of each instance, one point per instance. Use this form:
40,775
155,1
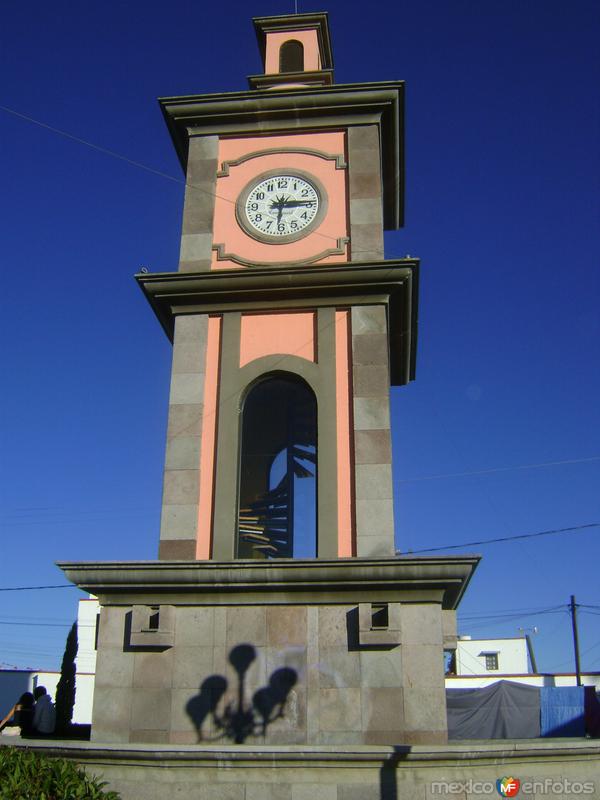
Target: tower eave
322,108
391,283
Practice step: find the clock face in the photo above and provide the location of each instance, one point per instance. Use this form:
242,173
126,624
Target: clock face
281,206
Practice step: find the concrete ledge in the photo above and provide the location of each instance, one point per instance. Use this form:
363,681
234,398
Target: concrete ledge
414,579
489,751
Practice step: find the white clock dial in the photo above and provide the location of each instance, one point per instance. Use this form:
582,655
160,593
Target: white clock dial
280,207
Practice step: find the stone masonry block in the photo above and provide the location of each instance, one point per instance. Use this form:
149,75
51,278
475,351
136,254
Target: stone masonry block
366,210
180,716
247,625
112,626
449,629
312,791
339,710
423,666
375,546
181,487
368,319
268,791
151,709
421,624
188,357
371,381
185,419
186,388
286,625
381,668
197,246
191,329
375,517
177,550
194,626
372,447
373,481
363,136
366,243
201,148
114,667
370,349
371,413
365,185
333,630
191,666
179,522
111,714
338,668
153,670
425,709
365,158
382,709
183,452
199,208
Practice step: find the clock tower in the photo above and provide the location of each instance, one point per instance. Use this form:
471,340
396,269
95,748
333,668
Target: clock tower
278,610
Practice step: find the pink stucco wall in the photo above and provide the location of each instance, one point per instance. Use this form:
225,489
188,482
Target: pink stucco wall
277,38
234,240
207,449
272,334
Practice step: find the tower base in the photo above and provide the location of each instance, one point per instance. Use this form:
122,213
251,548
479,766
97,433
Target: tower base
299,652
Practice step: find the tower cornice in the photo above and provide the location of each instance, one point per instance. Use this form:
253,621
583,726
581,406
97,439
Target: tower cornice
392,283
287,110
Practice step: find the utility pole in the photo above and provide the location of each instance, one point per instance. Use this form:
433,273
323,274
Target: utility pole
575,638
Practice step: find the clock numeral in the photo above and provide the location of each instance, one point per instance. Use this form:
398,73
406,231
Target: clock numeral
260,195
304,192
304,216
269,223
281,227
282,183
293,224
258,218
253,206
270,187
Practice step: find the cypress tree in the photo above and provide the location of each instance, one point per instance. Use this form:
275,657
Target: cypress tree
65,689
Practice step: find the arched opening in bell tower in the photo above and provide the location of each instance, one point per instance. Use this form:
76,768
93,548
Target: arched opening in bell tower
277,515
291,56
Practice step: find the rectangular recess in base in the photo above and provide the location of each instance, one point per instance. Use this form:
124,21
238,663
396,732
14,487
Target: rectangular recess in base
379,624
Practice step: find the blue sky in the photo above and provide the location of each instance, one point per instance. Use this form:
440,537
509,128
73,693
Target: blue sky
503,168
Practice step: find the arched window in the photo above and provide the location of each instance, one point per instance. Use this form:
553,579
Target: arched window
291,56
278,496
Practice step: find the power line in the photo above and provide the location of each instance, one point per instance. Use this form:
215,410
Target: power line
35,588
574,529
499,469
138,164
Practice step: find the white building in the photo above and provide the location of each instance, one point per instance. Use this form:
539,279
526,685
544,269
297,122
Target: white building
13,682
481,662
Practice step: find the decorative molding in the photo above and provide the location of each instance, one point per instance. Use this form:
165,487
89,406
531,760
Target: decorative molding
427,579
339,158
289,110
392,283
338,250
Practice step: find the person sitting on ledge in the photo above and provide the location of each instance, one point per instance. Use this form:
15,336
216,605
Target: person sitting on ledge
44,714
21,715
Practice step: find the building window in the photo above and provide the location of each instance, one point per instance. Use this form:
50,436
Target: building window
491,661
291,56
278,467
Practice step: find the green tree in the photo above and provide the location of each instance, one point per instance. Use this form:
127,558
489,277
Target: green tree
65,689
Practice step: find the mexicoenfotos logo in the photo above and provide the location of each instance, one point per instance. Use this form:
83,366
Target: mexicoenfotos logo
508,787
